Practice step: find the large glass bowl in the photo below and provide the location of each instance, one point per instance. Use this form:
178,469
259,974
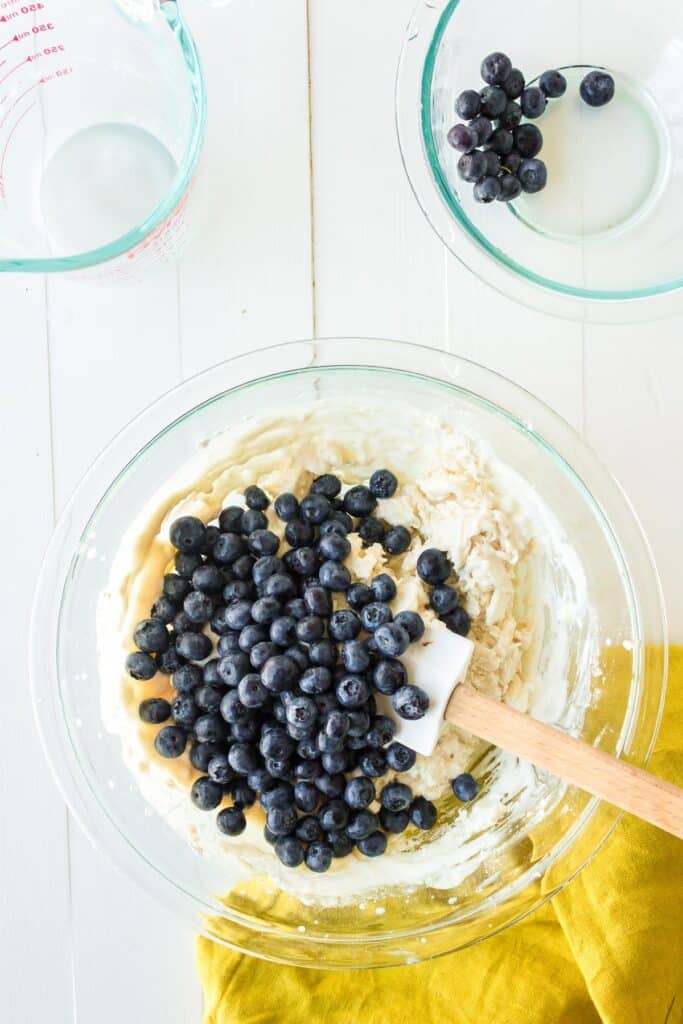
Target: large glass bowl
533,858
604,241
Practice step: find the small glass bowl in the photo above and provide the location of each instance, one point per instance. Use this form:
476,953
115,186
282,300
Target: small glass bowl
533,856
604,240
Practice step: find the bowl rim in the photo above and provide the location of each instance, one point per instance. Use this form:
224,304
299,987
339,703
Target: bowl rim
65,763
428,183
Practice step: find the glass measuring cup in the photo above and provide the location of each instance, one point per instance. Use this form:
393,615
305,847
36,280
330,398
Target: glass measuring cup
102,117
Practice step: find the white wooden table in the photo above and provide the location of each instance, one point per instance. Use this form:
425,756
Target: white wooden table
313,230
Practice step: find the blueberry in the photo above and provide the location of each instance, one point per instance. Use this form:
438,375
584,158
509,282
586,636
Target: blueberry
472,167
393,821
374,615
299,534
422,813
334,576
208,579
553,84
306,797
493,101
260,654
184,710
334,548
164,609
233,667
335,761
198,607
533,102
381,731
388,676
220,621
296,608
511,164
238,614
495,68
242,793
268,836
243,758
231,821
315,508
328,743
187,534
514,84
465,787
597,88
265,567
281,586
304,561
501,142
336,526
206,794
399,757
279,795
176,588
151,636
358,595
242,568
510,186
228,549
433,566
467,107
511,116
260,781
276,744
443,599
315,680
318,857
219,769
487,191
333,816
310,629
201,754
308,749
245,729
265,610
210,728
155,710
140,665
462,138
278,768
301,711
230,519
170,741
371,531
362,824
359,501
170,661
286,507
256,498
327,485
359,792
337,725
263,542
392,640
373,763
396,796
355,656
279,673
383,483
307,770
412,623
237,590
289,850
281,820
528,140
318,600
341,844
250,636
193,646
331,785
254,520
344,625
352,691
283,630
410,702
483,129
458,621
323,652
186,562
492,161
533,175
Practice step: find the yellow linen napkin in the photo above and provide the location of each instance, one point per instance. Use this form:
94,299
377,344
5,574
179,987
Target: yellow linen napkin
608,949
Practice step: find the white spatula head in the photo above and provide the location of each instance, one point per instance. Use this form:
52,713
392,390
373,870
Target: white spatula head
436,663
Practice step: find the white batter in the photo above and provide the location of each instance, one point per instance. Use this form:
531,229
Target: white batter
516,572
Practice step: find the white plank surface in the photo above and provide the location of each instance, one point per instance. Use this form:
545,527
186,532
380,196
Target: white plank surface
312,227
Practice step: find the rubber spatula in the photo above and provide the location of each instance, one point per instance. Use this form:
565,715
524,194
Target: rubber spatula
438,663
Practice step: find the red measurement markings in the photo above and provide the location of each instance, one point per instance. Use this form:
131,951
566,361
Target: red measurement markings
6,146
25,9
26,60
41,81
15,39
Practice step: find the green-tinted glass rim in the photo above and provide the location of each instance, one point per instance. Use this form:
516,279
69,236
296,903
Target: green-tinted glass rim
181,183
464,221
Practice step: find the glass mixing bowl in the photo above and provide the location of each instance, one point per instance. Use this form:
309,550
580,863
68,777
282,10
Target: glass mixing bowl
534,855
603,241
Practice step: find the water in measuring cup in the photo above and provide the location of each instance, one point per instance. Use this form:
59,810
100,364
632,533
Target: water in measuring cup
101,183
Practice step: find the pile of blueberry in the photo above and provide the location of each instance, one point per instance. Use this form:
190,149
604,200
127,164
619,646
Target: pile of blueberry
499,152
285,712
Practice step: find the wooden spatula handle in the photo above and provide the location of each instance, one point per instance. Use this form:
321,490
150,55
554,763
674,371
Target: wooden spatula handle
604,776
